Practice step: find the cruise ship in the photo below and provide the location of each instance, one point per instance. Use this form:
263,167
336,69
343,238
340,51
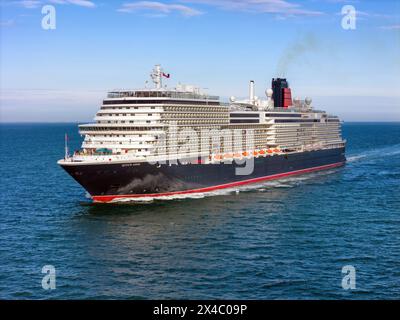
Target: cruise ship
160,141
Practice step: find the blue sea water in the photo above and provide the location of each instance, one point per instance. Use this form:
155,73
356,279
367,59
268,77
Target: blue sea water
286,239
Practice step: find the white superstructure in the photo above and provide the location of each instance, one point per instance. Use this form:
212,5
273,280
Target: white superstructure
157,123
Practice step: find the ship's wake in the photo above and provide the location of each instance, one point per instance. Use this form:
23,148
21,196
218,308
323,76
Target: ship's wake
387,151
283,183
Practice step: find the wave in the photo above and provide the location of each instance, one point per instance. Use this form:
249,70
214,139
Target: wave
387,151
355,158
283,183
198,195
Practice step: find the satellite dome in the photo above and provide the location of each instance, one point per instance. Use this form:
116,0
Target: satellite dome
269,92
232,99
308,100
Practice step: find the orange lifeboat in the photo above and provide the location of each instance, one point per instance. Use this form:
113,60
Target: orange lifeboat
218,157
262,152
276,150
255,153
237,155
269,151
245,153
228,155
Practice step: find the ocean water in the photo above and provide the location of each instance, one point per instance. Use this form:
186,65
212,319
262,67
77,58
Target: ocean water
286,239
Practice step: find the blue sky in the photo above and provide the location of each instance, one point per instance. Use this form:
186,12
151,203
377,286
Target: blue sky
63,74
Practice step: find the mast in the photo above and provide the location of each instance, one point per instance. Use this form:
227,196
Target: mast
251,92
156,76
66,147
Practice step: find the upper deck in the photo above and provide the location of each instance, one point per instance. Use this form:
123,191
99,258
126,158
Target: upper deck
161,93
134,123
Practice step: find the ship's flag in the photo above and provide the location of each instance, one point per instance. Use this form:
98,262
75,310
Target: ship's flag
167,75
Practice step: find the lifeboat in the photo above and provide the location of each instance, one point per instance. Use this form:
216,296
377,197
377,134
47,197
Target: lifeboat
227,155
270,151
262,152
237,155
245,153
255,153
276,150
218,157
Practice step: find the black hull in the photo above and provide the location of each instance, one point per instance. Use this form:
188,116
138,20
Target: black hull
106,182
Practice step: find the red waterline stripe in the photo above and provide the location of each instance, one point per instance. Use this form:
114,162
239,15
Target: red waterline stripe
109,198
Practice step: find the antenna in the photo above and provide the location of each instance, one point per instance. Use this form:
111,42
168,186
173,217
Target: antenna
156,76
251,92
66,147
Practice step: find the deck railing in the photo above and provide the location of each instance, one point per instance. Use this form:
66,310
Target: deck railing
160,94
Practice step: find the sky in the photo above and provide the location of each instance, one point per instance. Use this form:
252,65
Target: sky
62,74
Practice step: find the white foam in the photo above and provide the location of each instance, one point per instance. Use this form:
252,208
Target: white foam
355,158
287,182
387,151
198,195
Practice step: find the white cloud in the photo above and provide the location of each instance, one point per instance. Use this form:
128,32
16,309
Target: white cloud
281,7
32,4
159,7
28,4
370,15
7,23
81,3
48,105
391,27
342,1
